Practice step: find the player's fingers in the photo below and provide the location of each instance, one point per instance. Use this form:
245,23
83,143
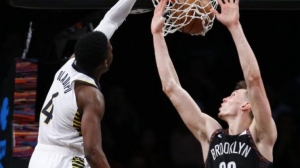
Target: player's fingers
220,2
214,11
164,4
156,7
236,1
159,6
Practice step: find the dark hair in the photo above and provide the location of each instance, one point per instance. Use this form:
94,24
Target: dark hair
243,85
91,50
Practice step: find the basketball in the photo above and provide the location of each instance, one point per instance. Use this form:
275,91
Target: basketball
194,25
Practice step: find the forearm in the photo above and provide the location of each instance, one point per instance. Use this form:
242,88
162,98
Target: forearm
98,159
246,56
166,70
115,17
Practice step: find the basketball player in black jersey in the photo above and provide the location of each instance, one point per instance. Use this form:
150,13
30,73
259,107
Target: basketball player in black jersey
250,138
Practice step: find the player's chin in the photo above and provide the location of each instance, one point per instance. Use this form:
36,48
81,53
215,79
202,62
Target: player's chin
220,115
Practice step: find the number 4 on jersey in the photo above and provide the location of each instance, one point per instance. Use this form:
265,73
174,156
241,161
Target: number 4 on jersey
48,109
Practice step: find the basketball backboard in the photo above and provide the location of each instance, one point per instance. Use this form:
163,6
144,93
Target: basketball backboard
142,4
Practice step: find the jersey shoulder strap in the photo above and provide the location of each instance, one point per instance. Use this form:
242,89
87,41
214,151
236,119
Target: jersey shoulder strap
218,131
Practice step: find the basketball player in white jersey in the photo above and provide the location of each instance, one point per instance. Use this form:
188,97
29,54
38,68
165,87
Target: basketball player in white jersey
69,126
250,138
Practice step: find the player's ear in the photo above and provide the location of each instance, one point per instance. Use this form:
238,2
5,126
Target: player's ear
246,106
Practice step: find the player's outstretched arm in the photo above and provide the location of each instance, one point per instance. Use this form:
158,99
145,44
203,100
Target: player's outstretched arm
91,103
200,124
115,17
263,124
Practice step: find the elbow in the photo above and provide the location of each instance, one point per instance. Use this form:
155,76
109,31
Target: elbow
170,87
254,79
93,155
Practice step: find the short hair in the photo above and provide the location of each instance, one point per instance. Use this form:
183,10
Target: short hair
243,85
91,50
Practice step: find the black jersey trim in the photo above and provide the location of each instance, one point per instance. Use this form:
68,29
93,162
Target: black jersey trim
76,68
263,162
216,132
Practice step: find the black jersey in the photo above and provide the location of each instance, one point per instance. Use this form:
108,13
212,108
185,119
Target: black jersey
238,151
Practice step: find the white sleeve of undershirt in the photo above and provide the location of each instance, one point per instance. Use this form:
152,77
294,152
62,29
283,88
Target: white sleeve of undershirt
115,17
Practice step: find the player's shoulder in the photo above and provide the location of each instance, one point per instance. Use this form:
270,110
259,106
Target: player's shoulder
88,95
85,88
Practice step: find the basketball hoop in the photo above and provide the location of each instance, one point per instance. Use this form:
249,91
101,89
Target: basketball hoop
185,13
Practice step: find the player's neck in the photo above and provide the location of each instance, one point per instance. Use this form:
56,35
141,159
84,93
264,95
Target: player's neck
96,74
237,125
97,77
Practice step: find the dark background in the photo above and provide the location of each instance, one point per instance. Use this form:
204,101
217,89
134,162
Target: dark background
141,128
106,4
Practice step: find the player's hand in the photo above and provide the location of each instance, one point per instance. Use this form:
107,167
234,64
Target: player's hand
157,20
229,15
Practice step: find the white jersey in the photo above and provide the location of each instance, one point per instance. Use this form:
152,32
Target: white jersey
60,120
60,142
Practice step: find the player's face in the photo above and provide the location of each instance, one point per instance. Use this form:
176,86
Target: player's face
231,104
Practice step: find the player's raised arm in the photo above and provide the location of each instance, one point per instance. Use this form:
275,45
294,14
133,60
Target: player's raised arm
115,17
263,125
200,124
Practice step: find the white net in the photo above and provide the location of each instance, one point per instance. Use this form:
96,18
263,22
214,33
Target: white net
183,12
